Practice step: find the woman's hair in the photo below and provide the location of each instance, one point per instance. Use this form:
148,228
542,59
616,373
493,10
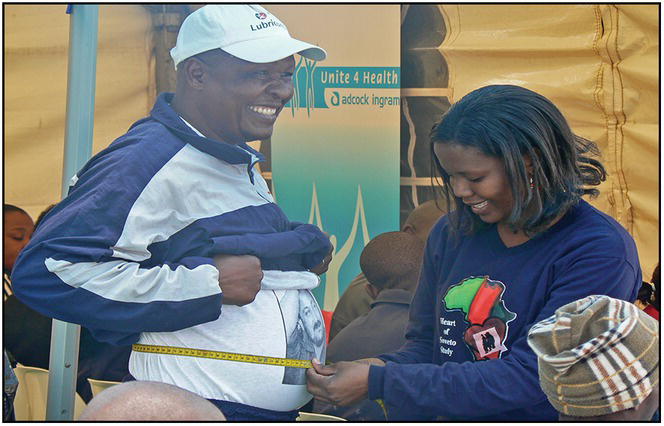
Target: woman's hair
510,122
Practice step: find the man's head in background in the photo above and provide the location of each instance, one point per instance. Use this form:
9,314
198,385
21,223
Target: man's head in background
420,221
392,260
235,68
143,401
598,360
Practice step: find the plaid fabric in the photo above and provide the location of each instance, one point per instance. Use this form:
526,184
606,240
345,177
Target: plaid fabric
596,356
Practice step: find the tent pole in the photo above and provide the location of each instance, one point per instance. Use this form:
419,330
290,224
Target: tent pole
81,78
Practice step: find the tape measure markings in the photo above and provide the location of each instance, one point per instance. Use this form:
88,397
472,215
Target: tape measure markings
225,356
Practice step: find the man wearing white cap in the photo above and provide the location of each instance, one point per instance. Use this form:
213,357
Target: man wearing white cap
170,240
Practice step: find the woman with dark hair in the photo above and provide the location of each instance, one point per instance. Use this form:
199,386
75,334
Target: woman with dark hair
520,244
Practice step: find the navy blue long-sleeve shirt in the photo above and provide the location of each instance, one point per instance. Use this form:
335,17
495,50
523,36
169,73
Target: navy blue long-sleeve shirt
466,356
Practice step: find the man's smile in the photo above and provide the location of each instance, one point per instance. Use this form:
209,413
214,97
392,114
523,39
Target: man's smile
264,111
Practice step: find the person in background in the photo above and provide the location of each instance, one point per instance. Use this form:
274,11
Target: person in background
355,301
598,360
648,297
17,230
169,237
16,233
520,243
27,333
391,262
149,401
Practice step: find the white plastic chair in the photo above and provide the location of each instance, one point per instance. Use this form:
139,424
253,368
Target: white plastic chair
99,385
30,400
315,417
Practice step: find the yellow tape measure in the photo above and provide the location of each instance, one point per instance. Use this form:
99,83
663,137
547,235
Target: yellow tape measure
226,356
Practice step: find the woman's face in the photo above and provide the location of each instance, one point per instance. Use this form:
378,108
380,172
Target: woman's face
18,229
478,180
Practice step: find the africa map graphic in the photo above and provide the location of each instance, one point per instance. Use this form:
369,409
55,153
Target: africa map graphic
480,299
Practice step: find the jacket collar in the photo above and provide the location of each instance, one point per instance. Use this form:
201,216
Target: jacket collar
232,154
395,295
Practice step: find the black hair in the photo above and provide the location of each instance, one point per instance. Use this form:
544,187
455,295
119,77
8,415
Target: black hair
510,122
8,208
392,260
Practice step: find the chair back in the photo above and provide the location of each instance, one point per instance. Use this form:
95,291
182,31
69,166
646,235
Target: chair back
315,417
30,400
99,385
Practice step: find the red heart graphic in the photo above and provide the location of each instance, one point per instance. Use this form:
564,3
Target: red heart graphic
491,322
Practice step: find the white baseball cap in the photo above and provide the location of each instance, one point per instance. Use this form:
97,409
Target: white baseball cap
245,31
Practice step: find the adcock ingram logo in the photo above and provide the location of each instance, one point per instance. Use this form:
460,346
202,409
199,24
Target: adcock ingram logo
310,83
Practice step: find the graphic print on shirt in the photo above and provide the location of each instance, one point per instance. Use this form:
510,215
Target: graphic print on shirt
305,335
480,300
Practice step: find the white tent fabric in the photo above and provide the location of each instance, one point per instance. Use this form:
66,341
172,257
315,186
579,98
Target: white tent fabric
36,52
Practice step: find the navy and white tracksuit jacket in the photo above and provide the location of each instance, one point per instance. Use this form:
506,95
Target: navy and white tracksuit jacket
128,254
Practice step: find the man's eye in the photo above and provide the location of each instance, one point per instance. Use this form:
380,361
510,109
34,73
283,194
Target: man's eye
475,180
287,75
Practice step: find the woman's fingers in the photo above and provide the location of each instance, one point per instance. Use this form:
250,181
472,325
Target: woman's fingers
325,370
317,384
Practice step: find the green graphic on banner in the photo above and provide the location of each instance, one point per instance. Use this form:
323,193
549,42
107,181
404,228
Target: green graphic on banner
335,148
345,180
310,82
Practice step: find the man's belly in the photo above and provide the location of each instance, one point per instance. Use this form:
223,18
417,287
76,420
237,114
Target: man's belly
260,328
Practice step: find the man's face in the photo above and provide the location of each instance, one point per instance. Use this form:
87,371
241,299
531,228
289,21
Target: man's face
241,100
311,321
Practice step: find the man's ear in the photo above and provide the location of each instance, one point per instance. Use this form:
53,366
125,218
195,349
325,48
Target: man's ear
371,290
409,229
194,73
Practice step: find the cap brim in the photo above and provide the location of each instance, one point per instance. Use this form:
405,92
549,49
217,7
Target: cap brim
271,49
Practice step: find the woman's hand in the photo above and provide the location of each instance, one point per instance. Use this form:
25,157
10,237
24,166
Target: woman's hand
343,383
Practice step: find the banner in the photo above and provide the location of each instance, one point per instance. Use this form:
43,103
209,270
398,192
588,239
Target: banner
335,148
